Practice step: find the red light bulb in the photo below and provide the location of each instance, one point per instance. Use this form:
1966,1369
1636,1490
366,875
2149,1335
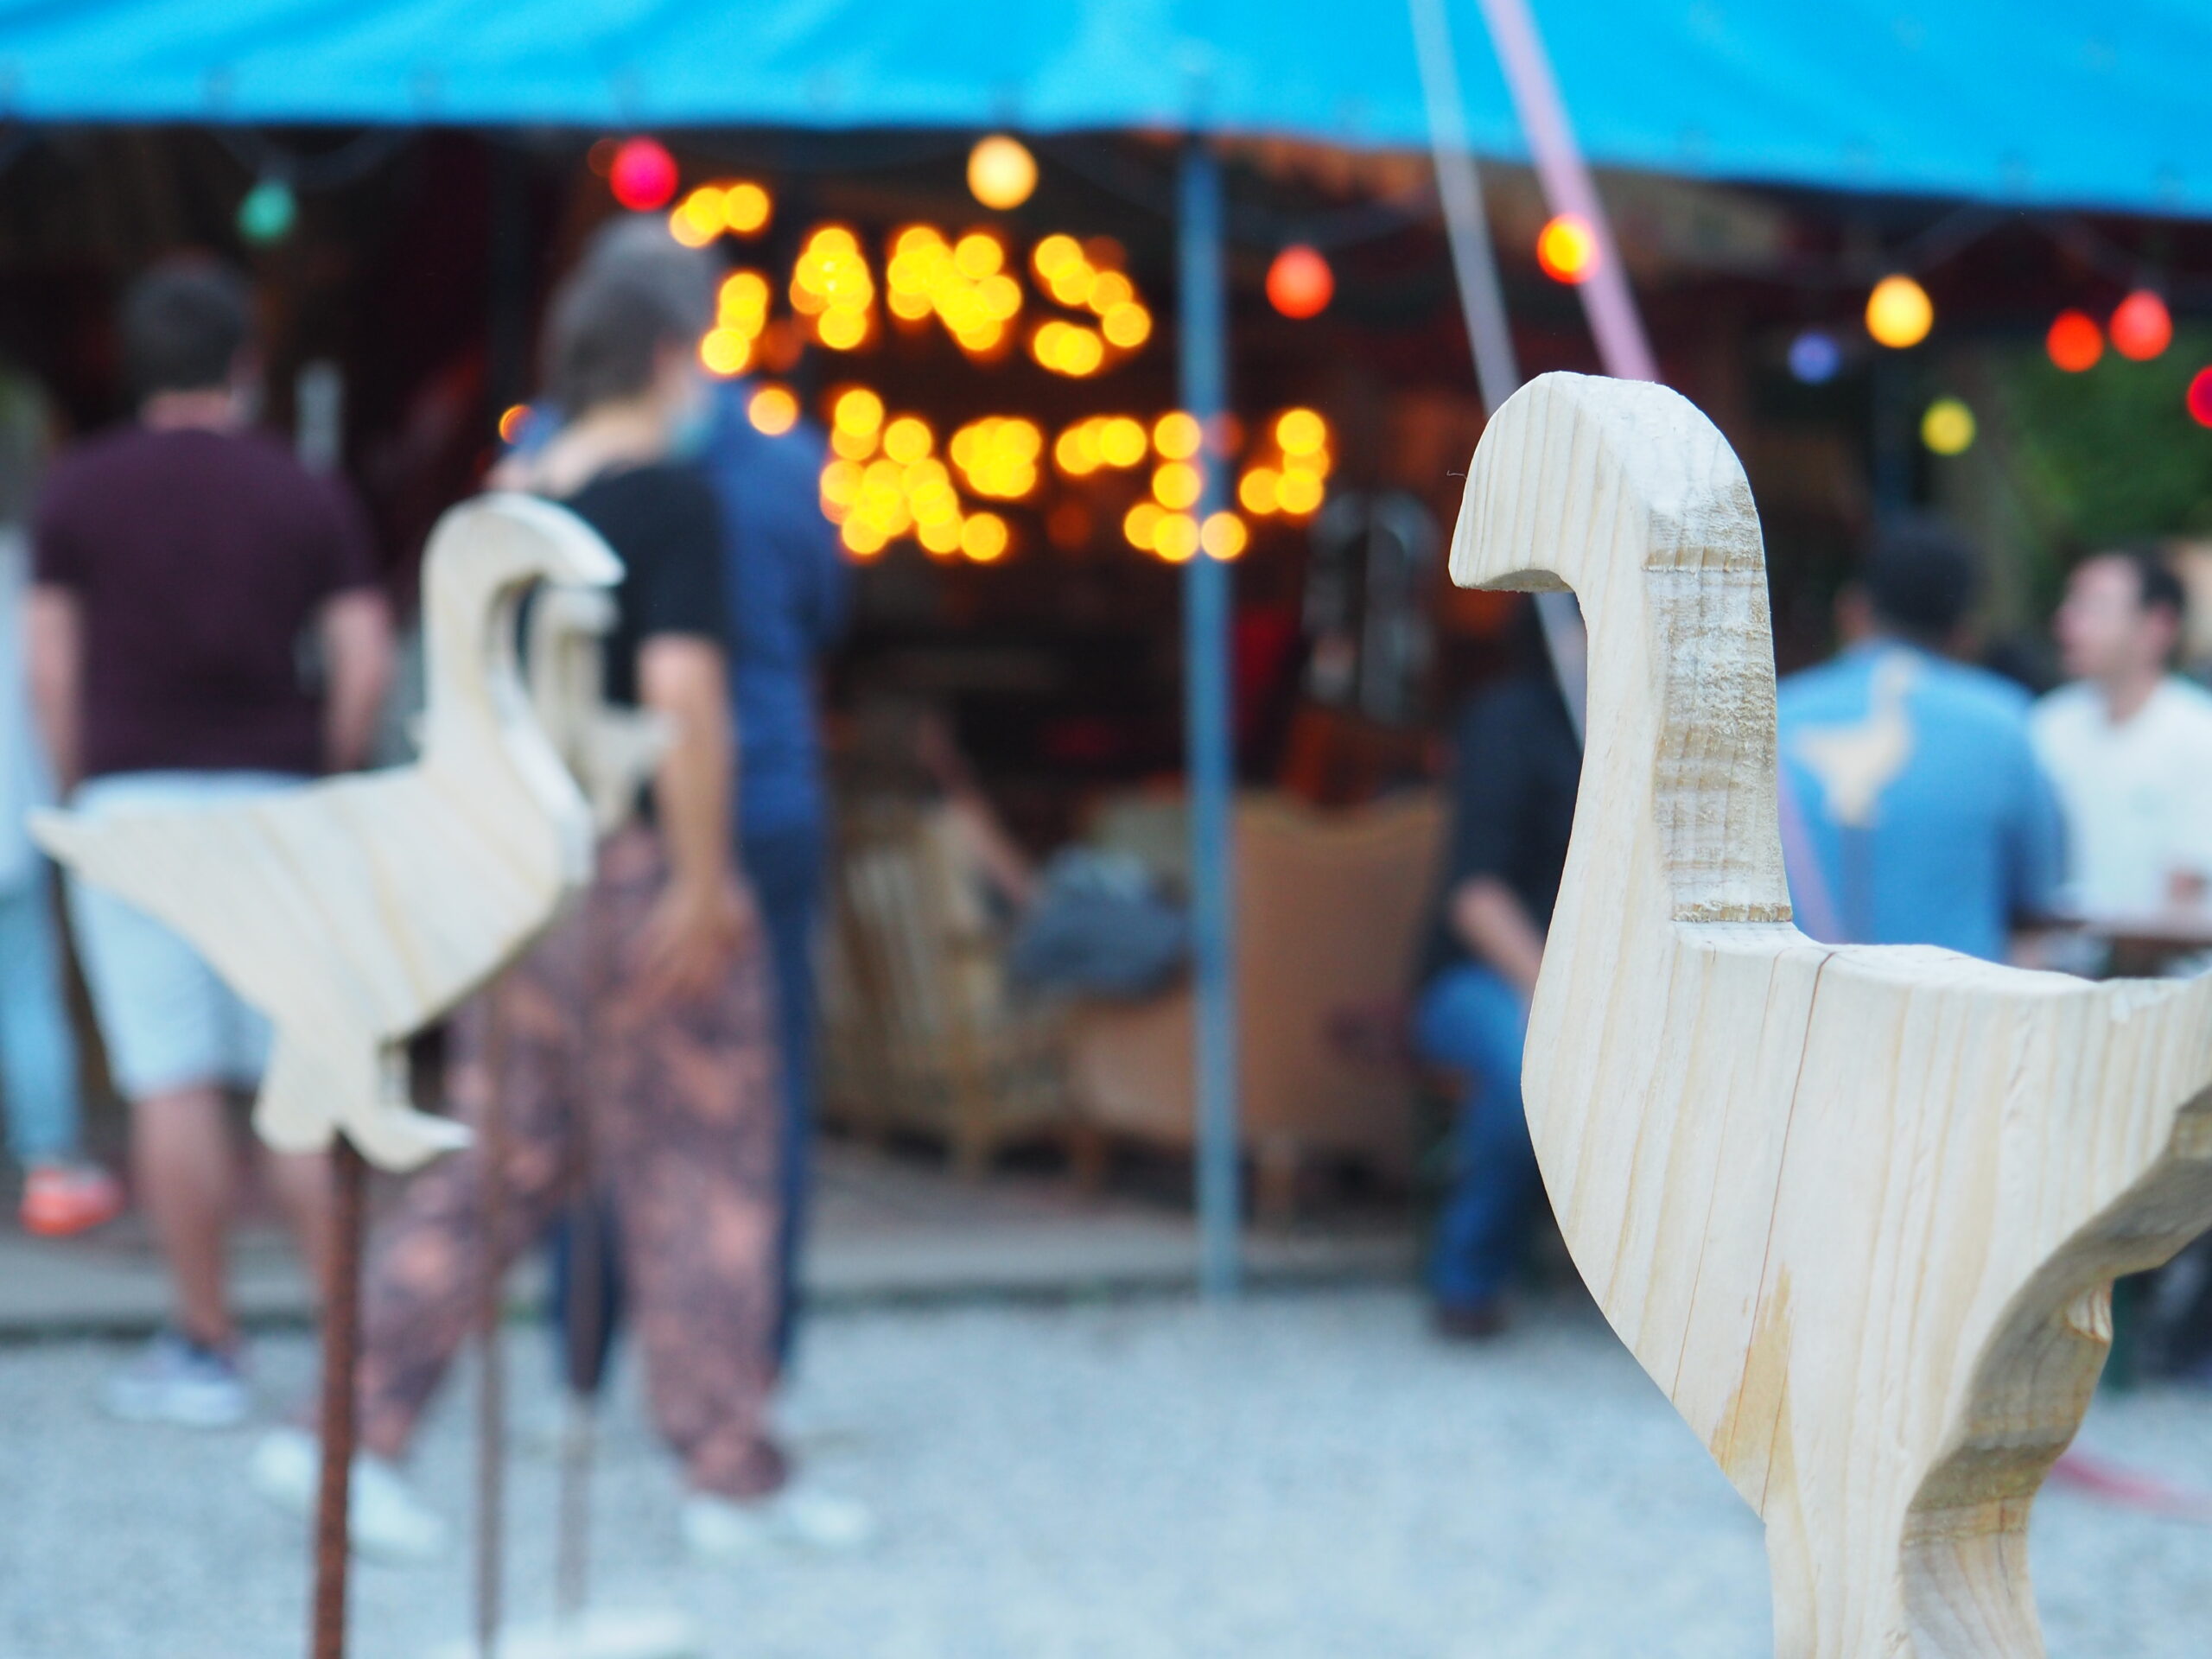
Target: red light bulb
1300,283
643,175
2075,341
2199,397
2141,325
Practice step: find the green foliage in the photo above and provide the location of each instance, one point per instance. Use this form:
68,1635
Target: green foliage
2110,454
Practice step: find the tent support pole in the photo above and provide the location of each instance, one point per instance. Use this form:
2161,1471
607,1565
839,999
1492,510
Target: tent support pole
1460,187
1203,333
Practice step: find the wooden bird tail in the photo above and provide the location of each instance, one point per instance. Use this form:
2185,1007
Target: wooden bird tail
303,1101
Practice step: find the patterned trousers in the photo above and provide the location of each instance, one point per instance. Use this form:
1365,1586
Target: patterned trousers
675,1110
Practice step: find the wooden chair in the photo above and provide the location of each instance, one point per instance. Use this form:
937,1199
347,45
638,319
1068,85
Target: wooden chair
921,1033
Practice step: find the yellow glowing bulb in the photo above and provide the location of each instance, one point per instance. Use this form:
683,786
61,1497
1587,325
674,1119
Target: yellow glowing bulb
773,409
1298,494
513,421
1128,324
858,411
863,539
840,484
745,208
1221,536
977,255
1054,254
907,439
1002,172
1110,288
1075,452
1081,352
1257,490
1120,442
1175,537
1176,483
725,352
1948,427
687,230
982,537
1139,524
1177,435
842,327
742,302
1899,313
1300,431
939,536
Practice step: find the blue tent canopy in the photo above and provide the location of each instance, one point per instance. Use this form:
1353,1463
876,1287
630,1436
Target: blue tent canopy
2036,102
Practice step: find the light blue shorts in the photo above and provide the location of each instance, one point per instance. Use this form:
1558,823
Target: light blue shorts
168,1020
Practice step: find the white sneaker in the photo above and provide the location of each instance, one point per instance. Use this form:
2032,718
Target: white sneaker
385,1521
175,1380
798,1516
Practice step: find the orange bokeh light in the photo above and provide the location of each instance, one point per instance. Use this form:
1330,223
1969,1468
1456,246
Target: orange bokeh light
1566,248
1300,283
2075,341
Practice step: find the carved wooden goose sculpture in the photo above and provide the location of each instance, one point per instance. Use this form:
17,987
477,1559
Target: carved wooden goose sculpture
1856,1210
354,911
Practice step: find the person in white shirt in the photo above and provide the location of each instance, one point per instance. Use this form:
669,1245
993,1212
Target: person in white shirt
2128,743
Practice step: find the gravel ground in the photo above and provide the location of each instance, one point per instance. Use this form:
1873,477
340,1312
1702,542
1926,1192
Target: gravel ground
1301,1476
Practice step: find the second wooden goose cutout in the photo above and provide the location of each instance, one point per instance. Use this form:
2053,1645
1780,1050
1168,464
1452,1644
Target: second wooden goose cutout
355,910
1857,1210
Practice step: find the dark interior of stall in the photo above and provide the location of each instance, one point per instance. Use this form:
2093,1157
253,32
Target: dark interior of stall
418,262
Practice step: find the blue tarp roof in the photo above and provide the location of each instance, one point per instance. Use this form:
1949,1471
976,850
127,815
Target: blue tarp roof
2039,101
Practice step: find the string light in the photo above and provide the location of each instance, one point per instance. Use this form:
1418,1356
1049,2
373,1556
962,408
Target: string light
1948,427
740,208
1086,277
2074,341
1176,484
983,537
831,284
1222,536
1300,283
1176,435
2142,327
2200,397
268,213
1815,357
1566,248
1255,490
1175,537
511,421
642,176
964,286
1899,314
1002,172
997,455
772,410
1140,523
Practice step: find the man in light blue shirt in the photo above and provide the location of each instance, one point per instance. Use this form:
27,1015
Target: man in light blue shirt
1914,810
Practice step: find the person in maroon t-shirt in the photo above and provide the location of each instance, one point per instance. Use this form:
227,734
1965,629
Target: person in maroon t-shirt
204,624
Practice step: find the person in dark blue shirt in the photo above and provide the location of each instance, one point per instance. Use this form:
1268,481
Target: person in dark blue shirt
787,581
1516,761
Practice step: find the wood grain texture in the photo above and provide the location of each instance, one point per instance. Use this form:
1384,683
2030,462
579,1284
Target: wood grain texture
354,911
1857,1210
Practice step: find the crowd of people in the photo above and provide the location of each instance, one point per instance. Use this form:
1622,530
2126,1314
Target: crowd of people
1923,800
203,619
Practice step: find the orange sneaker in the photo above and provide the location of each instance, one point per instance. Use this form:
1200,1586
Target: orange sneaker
62,1199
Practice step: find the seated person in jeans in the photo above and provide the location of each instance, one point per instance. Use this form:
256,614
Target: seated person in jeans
1516,759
